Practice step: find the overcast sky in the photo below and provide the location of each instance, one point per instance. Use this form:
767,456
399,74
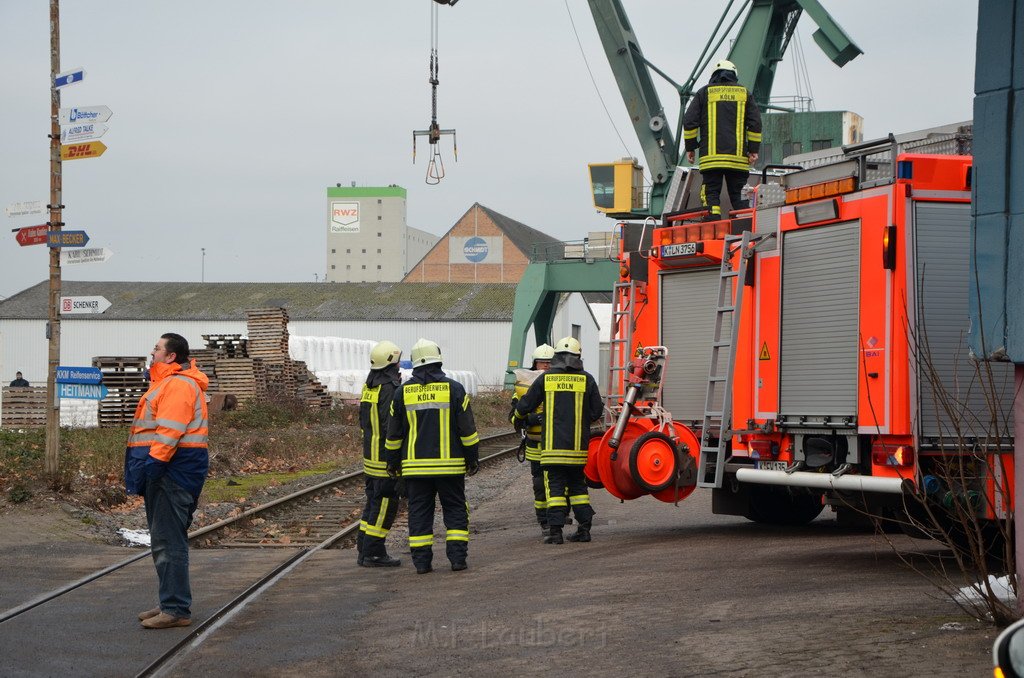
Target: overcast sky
231,118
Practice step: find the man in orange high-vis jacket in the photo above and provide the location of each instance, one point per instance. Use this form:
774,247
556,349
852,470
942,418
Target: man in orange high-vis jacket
166,461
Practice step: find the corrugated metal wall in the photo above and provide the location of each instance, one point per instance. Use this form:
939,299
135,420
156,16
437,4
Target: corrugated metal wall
943,318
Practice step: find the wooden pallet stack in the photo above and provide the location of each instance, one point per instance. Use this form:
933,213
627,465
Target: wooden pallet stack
229,345
23,407
126,382
268,335
206,361
245,378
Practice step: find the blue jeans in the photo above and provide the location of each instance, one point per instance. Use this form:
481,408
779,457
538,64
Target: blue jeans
169,510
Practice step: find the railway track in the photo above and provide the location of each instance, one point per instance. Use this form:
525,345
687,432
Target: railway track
310,520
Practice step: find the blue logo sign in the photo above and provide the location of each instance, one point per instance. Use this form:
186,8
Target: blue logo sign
86,391
79,375
475,249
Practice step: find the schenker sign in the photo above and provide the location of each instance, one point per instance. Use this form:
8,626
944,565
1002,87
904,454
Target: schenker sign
71,305
344,217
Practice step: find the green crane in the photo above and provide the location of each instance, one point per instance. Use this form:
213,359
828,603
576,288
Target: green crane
618,188
759,46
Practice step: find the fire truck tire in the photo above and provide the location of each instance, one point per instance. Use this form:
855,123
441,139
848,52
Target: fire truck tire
780,506
653,461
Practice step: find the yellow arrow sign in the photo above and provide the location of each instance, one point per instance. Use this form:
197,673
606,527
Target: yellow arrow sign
89,149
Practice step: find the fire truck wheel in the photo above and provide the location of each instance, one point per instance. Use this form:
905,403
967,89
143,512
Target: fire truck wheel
781,506
653,461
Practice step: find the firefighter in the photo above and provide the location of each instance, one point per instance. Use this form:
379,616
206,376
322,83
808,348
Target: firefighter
381,493
531,428
433,444
724,123
571,402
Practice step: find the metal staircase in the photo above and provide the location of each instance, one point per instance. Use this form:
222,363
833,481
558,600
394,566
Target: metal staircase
715,429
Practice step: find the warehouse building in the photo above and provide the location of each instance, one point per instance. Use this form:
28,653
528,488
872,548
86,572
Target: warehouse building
483,246
471,322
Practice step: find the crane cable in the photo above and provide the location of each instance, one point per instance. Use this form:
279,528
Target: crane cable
600,98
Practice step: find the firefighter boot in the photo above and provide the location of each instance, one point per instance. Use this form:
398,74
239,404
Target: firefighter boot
555,537
359,548
582,533
380,561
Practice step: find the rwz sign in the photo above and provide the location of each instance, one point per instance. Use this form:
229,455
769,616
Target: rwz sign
344,217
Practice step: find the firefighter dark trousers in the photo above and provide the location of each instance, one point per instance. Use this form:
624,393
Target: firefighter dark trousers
540,499
711,191
559,479
451,490
378,515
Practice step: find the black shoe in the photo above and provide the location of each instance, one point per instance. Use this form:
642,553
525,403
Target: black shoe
555,537
581,534
380,561
545,531
359,559
459,566
423,569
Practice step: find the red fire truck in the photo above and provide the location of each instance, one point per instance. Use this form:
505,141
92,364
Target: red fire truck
810,351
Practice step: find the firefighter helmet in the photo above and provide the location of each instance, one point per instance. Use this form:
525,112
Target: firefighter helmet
725,65
543,352
568,345
383,354
425,352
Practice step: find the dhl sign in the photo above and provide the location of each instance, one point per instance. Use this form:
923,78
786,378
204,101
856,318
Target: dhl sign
90,149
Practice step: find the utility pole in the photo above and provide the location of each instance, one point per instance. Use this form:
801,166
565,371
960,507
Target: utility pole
55,223
202,271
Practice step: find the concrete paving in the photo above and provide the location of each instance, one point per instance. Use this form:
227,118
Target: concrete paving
663,590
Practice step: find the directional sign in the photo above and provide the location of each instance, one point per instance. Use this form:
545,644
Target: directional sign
32,235
86,391
21,209
88,255
67,238
71,116
71,77
82,132
89,149
79,375
76,305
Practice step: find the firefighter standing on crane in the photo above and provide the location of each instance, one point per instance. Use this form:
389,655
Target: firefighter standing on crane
381,492
571,402
724,123
433,443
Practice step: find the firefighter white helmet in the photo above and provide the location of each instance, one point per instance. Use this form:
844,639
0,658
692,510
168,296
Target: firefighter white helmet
383,354
543,352
425,352
725,65
567,345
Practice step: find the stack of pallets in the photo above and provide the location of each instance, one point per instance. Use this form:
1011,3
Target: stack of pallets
245,378
229,345
268,335
23,407
206,361
126,381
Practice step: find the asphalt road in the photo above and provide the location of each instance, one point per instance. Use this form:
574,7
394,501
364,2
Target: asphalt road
661,591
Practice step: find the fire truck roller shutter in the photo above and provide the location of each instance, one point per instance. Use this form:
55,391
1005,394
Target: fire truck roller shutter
687,330
942,264
818,352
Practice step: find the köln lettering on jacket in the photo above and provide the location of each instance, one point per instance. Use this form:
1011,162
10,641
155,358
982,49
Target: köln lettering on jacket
565,382
427,396
370,395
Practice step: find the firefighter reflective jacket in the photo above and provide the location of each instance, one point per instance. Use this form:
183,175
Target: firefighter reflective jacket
571,402
431,431
374,406
169,433
524,379
723,121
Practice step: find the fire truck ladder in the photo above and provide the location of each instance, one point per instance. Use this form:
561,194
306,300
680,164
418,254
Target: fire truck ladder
624,301
715,430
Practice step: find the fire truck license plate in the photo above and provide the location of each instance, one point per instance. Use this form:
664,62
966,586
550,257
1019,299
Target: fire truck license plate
683,249
772,465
